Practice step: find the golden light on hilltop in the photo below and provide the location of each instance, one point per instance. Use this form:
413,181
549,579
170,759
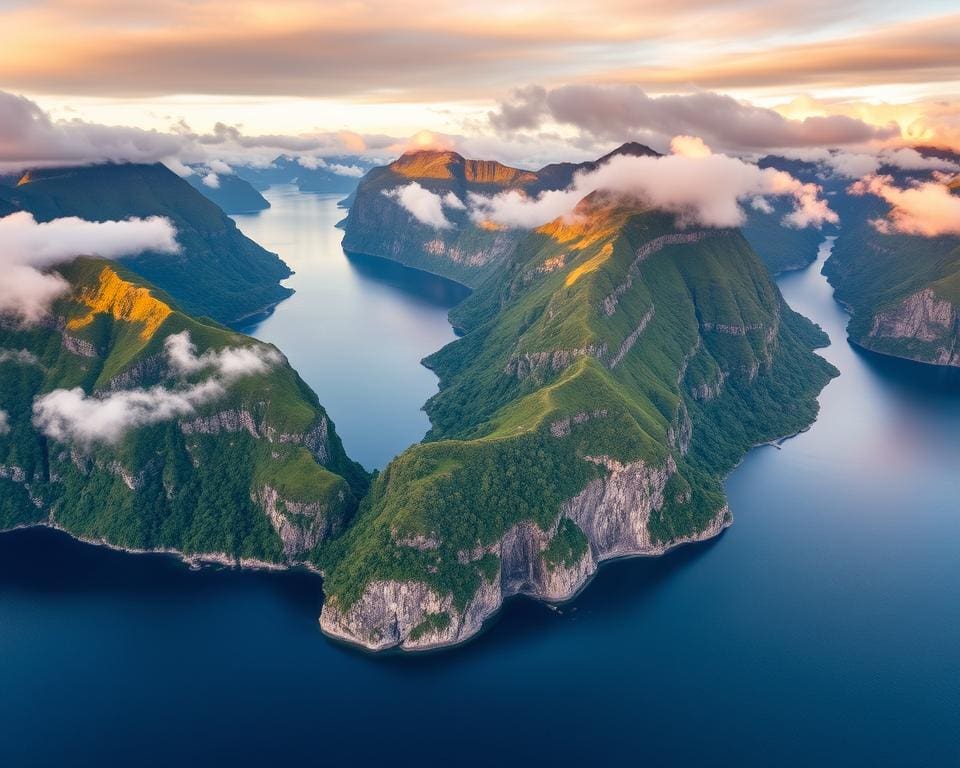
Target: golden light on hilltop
124,301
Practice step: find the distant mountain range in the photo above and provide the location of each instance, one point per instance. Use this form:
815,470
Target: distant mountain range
337,175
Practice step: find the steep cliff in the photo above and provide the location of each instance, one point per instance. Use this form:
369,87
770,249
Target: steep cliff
903,291
212,447
611,373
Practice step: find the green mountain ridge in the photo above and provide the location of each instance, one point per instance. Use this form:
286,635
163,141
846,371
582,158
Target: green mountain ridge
255,474
219,272
609,377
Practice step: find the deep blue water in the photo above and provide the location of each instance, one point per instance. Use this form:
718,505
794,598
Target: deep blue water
823,628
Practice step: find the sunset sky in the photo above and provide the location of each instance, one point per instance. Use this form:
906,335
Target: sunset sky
525,80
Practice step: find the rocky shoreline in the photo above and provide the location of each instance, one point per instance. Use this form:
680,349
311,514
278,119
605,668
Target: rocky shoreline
613,512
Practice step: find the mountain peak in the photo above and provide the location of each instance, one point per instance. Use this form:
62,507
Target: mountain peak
447,164
631,149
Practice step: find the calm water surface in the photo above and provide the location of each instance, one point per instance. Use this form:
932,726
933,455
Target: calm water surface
357,326
823,628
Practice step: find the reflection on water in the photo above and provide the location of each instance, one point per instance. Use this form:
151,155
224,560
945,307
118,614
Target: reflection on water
823,628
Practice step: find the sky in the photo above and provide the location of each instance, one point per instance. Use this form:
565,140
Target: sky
525,81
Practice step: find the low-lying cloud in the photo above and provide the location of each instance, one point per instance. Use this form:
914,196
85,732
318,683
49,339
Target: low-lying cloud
28,247
313,163
927,209
425,206
71,415
228,364
615,112
4,422
20,356
700,187
857,165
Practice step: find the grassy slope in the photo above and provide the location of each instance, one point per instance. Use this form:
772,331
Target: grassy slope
196,489
220,273
491,460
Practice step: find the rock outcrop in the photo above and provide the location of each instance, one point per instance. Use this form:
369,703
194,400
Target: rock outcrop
921,317
613,513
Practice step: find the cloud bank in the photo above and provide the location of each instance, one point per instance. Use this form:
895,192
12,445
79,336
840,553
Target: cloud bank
700,187
614,112
28,247
856,165
71,415
927,209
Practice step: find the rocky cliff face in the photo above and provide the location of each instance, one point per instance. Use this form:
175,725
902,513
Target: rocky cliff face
613,513
922,317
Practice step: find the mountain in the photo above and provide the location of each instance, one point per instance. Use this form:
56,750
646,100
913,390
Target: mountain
232,194
611,373
337,175
219,272
902,291
235,465
468,252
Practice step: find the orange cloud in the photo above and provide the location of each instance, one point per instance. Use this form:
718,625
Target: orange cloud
928,209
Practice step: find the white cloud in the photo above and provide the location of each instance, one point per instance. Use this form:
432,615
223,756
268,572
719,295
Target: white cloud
618,112
927,209
313,163
74,416
857,165
450,200
229,363
689,146
21,356
29,139
700,187
218,166
211,180
28,247
425,206
181,169
4,422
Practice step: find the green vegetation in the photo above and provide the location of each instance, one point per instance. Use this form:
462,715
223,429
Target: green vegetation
433,622
195,490
220,273
567,547
874,274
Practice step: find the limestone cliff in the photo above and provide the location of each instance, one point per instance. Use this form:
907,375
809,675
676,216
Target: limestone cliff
612,512
923,327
